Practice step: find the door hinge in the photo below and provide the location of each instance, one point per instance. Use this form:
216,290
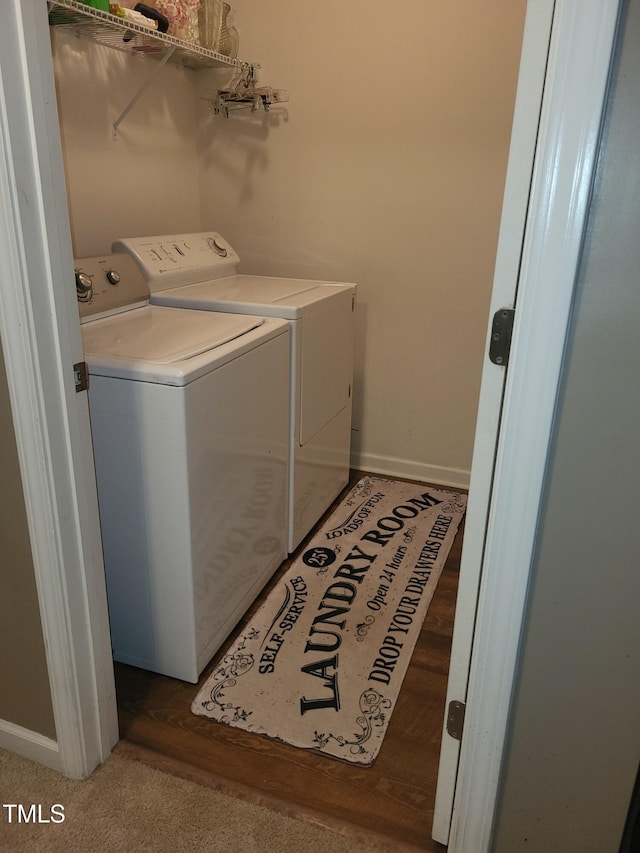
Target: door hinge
501,331
455,719
81,376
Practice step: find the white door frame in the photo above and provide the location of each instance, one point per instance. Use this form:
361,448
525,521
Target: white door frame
522,150
41,342
581,47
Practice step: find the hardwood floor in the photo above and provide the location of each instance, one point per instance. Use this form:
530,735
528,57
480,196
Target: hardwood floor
389,803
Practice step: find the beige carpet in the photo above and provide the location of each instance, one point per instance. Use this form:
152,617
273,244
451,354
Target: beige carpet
128,807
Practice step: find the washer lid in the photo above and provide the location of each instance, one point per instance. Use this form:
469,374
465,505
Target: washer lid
162,335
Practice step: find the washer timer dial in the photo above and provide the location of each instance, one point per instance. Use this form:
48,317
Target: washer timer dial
217,248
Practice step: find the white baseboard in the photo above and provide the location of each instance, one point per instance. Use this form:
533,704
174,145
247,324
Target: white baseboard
31,745
391,466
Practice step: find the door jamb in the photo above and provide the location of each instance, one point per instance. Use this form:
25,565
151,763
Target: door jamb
526,119
41,341
575,91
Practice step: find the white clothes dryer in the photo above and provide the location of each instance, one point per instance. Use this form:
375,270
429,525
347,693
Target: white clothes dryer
190,432
201,271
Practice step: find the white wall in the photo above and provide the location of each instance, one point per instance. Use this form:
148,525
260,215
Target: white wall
385,168
143,181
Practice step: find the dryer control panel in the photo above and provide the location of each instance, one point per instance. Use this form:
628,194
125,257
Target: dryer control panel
179,259
108,284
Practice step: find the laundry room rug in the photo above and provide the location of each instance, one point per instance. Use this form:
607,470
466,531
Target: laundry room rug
321,663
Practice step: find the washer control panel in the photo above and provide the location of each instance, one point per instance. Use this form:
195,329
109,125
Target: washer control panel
179,259
108,284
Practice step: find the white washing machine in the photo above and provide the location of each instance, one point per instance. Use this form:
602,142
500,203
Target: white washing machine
190,431
201,271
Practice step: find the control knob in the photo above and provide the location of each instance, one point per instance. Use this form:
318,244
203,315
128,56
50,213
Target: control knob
113,277
217,248
84,287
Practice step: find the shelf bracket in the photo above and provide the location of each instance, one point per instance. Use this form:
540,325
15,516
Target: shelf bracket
158,68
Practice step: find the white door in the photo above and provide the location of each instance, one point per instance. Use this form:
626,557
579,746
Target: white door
563,78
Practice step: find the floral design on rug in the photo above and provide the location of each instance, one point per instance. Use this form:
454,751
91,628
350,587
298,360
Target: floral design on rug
363,627
456,503
373,706
233,666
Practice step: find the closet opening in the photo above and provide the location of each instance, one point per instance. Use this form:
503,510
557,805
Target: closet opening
220,174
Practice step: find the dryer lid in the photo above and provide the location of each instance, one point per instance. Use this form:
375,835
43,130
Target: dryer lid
253,294
162,335
265,290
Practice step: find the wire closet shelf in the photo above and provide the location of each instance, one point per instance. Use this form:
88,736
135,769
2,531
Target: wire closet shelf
130,37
